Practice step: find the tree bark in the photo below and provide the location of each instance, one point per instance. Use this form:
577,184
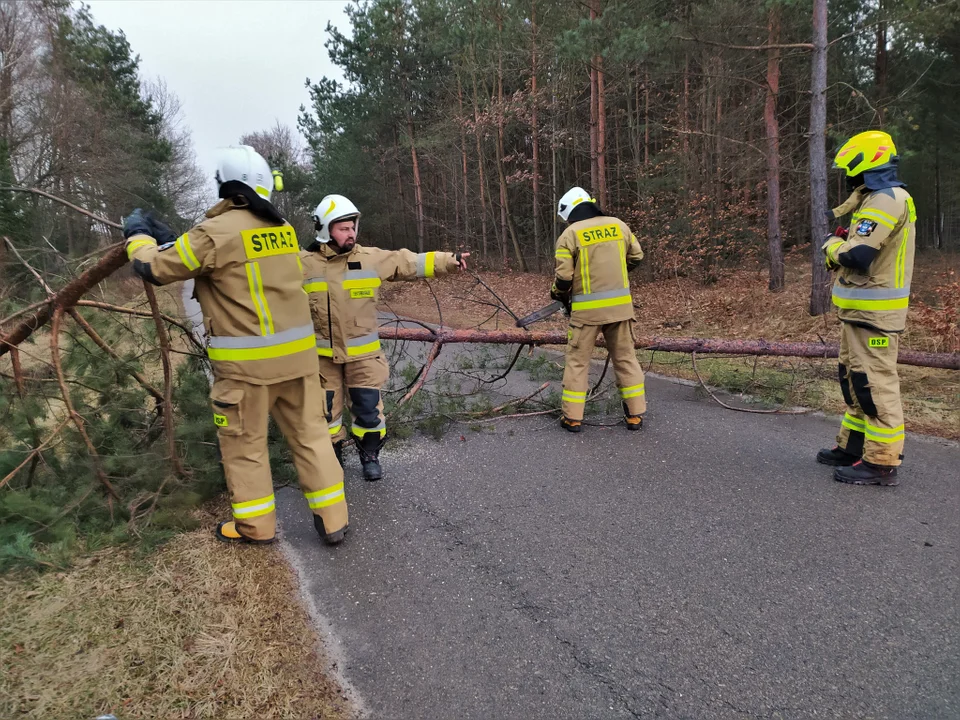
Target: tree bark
946,361
594,175
774,239
483,183
880,68
646,118
463,158
820,283
505,219
536,136
601,136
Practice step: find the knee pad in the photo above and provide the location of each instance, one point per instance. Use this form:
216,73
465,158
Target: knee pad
330,395
365,412
862,390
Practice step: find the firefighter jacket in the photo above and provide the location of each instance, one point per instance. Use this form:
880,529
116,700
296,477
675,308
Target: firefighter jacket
343,292
248,283
596,254
876,261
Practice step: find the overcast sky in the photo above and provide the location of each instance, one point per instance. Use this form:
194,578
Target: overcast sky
236,65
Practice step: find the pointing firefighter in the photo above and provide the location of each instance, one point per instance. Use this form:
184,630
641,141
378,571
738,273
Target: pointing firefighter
342,280
874,266
593,256
244,257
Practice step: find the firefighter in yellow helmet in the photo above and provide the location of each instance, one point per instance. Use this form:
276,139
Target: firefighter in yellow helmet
593,256
342,280
873,261
244,257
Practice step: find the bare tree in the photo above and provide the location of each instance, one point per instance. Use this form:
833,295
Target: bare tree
820,288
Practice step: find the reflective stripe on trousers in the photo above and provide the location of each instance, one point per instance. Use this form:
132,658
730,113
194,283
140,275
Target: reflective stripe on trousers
335,425
254,508
360,431
261,347
327,496
608,298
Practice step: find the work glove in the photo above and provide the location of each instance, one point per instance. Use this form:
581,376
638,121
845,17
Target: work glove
830,253
137,223
160,231
559,295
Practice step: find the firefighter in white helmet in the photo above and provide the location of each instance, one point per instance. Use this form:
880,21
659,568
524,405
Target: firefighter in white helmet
342,280
244,257
593,256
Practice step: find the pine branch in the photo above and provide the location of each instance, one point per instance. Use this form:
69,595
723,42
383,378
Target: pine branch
73,414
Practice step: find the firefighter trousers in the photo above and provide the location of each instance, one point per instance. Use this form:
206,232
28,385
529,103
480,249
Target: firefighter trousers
873,424
363,380
581,340
240,412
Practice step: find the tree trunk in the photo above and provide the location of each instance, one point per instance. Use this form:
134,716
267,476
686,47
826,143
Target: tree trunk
685,120
646,118
483,183
403,200
463,163
536,137
820,284
938,206
505,218
881,63
594,175
774,239
417,188
601,136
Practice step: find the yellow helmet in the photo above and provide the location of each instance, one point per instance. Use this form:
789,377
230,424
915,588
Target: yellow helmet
866,151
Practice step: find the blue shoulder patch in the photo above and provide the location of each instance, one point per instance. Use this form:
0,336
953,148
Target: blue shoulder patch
865,227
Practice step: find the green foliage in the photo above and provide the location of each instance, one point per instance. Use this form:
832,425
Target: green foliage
53,509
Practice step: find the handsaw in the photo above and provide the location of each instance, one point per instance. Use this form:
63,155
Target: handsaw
541,314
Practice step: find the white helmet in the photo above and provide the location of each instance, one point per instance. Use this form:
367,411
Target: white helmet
573,197
331,209
244,164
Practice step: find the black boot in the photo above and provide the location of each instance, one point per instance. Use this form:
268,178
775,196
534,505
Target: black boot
864,473
338,451
837,457
573,426
334,538
368,448
841,457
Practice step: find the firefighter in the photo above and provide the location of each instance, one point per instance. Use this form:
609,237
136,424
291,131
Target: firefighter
874,265
244,257
342,279
593,256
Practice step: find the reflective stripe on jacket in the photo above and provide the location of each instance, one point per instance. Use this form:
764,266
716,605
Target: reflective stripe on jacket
344,290
249,286
594,254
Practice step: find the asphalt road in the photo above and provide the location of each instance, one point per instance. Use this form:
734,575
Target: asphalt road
705,567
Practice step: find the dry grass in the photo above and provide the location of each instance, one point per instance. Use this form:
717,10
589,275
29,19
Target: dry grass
198,630
737,306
